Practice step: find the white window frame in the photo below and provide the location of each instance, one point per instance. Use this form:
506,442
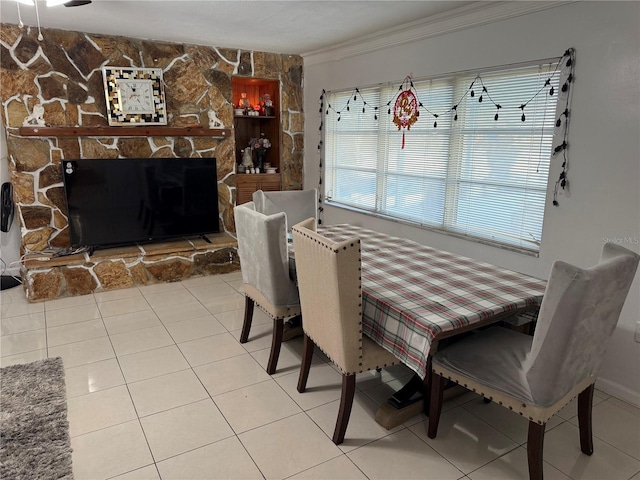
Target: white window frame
338,161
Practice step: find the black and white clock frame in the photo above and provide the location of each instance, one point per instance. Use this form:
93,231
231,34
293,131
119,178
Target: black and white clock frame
134,96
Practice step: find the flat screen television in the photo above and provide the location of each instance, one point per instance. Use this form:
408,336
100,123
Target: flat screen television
113,202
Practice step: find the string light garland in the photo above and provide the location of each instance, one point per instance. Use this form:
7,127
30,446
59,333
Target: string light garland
405,113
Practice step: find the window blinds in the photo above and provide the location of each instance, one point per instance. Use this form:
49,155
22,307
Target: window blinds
474,176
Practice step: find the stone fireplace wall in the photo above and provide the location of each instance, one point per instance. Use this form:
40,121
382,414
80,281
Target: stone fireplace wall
63,73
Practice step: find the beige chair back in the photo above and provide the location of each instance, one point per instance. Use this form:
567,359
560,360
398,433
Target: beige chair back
578,314
330,294
262,247
298,205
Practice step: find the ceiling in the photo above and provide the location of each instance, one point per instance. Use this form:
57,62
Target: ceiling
282,26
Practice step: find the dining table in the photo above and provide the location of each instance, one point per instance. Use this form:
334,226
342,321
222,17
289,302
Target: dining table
415,296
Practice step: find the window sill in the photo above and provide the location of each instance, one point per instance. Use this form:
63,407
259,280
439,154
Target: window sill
442,231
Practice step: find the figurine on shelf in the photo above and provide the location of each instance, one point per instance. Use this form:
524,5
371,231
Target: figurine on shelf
247,158
214,121
267,105
244,103
261,145
36,117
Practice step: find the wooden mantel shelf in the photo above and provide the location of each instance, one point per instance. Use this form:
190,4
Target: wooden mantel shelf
142,131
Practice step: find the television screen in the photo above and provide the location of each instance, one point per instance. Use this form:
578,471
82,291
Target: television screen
135,200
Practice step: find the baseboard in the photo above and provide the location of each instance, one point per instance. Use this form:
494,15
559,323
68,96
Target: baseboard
618,391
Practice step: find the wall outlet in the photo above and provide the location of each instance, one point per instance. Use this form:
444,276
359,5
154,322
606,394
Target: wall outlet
636,337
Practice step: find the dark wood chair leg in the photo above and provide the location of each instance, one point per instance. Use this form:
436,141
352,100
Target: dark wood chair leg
435,403
585,404
276,343
535,443
248,318
346,402
307,355
426,388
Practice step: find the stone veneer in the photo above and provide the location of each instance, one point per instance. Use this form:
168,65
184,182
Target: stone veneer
63,73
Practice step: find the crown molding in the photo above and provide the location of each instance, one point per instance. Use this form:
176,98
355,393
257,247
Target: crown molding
478,13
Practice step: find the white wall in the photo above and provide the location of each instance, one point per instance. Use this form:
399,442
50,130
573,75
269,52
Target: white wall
604,138
9,241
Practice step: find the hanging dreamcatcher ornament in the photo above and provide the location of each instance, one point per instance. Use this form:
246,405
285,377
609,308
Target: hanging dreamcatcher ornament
405,110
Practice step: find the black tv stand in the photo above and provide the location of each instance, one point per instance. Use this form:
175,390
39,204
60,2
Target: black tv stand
205,238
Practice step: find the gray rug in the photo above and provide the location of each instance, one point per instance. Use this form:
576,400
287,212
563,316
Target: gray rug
34,431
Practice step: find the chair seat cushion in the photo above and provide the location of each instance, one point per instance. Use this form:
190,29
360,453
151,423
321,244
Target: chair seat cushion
493,357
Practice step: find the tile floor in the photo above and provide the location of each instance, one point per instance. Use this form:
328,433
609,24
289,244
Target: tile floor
159,387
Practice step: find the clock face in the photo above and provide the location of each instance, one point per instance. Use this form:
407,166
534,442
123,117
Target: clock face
136,96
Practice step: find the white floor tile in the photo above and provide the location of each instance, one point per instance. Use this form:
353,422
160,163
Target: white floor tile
23,342
124,305
224,303
110,452
152,363
211,349
465,440
93,377
514,466
513,425
128,322
562,450
402,455
289,360
324,385
255,405
26,357
75,332
98,410
172,297
141,340
233,319
22,323
75,314
67,302
230,374
119,294
192,437
362,427
339,468
195,328
293,434
164,287
206,293
260,337
74,354
571,409
206,463
185,428
617,426
19,308
165,392
179,313
149,472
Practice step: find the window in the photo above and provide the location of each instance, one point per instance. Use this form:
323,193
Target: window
474,176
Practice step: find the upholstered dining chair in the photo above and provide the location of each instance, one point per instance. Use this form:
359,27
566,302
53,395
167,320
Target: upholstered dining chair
298,205
537,376
329,281
262,247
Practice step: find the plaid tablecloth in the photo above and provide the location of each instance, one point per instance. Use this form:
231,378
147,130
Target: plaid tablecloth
412,293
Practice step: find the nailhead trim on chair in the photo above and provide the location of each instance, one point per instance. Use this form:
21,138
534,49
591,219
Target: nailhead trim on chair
265,311
359,305
524,405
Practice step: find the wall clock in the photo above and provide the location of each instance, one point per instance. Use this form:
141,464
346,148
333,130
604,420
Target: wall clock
135,96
